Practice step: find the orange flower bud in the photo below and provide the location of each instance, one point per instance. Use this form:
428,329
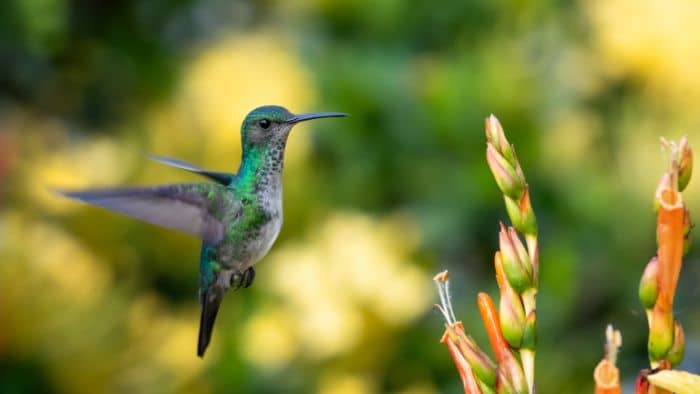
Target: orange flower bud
493,327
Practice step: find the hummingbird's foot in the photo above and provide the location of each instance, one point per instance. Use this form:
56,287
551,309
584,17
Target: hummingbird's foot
242,279
248,277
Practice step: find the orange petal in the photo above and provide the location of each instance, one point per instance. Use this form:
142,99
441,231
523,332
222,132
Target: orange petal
465,371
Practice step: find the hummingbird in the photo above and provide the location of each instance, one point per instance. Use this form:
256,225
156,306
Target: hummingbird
237,215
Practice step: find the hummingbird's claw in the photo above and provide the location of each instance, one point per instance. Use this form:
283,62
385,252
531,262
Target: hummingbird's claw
248,277
242,279
236,281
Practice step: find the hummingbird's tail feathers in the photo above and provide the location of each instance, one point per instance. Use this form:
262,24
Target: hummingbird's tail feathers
210,307
185,207
223,178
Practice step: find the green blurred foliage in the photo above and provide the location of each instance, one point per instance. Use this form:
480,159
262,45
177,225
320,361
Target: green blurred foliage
374,204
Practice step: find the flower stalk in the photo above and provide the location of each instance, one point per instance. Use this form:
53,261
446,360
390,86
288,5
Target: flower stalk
660,278
520,264
512,327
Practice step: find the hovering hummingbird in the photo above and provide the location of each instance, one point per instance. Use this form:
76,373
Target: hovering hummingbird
238,216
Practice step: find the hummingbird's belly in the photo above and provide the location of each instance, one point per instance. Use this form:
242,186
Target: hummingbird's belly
250,244
266,238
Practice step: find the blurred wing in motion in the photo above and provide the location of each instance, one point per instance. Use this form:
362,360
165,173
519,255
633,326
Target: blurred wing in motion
220,177
190,208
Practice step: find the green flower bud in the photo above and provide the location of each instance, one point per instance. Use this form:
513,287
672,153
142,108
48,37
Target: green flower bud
482,366
496,136
685,163
507,178
649,284
521,213
660,334
511,378
504,385
516,261
512,316
675,355
687,226
485,389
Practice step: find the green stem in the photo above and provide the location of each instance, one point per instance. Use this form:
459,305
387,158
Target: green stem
528,359
529,298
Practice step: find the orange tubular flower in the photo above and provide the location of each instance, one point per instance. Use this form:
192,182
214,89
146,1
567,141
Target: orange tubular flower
657,288
606,374
670,233
607,378
671,223
493,328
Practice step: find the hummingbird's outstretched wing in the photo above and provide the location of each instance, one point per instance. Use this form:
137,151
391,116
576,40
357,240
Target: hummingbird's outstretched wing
223,178
195,208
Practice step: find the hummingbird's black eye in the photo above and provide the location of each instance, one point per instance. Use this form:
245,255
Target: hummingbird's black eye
264,123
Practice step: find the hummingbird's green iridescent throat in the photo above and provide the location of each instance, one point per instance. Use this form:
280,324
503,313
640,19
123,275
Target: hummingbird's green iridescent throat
238,216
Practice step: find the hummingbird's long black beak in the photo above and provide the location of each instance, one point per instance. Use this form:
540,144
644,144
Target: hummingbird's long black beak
315,115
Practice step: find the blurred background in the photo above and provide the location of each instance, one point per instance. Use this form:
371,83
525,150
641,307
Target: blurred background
375,204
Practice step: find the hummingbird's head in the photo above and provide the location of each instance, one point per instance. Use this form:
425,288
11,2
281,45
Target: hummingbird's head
270,125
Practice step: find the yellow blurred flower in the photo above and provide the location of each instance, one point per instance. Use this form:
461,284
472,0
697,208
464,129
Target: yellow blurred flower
334,383
419,388
655,40
50,256
176,350
655,43
162,340
269,341
351,266
91,162
329,327
572,140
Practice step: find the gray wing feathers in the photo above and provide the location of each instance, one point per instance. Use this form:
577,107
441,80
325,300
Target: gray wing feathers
191,208
220,177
